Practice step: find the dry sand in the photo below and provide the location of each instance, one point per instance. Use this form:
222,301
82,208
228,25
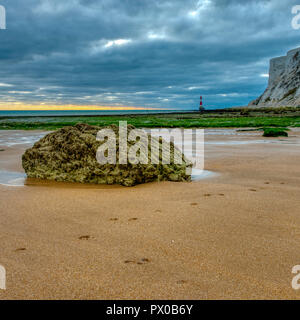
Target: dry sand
233,236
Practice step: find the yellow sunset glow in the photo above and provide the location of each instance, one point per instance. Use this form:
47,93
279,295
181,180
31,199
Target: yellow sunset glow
21,107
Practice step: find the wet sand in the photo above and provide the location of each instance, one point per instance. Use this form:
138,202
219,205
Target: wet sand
235,235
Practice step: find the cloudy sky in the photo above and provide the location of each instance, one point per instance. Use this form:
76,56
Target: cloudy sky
141,53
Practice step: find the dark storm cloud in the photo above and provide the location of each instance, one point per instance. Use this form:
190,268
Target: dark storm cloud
141,53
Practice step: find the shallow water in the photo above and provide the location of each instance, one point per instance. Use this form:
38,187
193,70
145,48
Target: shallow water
12,179
198,174
8,138
17,179
11,138
241,142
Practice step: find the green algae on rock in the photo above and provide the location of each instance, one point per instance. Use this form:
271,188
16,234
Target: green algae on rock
69,154
275,132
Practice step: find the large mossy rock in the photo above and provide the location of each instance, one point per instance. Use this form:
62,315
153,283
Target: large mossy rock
69,154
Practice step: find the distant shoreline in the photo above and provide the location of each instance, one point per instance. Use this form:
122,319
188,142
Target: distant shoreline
92,113
4,114
87,113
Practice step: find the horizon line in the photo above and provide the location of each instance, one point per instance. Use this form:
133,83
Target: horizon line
76,108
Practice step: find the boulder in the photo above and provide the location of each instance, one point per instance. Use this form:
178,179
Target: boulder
69,154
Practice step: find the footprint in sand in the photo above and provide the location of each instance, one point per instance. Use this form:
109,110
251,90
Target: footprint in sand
221,194
21,249
132,219
143,261
282,183
267,182
84,237
181,281
207,195
194,204
113,219
129,261
254,190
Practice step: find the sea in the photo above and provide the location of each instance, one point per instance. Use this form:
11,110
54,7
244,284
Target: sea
68,113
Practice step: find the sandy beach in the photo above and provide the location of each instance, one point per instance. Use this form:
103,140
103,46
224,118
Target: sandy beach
234,235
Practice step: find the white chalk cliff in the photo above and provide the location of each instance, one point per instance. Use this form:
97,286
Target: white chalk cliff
284,82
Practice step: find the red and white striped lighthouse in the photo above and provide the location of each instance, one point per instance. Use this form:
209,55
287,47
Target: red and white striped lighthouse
201,108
